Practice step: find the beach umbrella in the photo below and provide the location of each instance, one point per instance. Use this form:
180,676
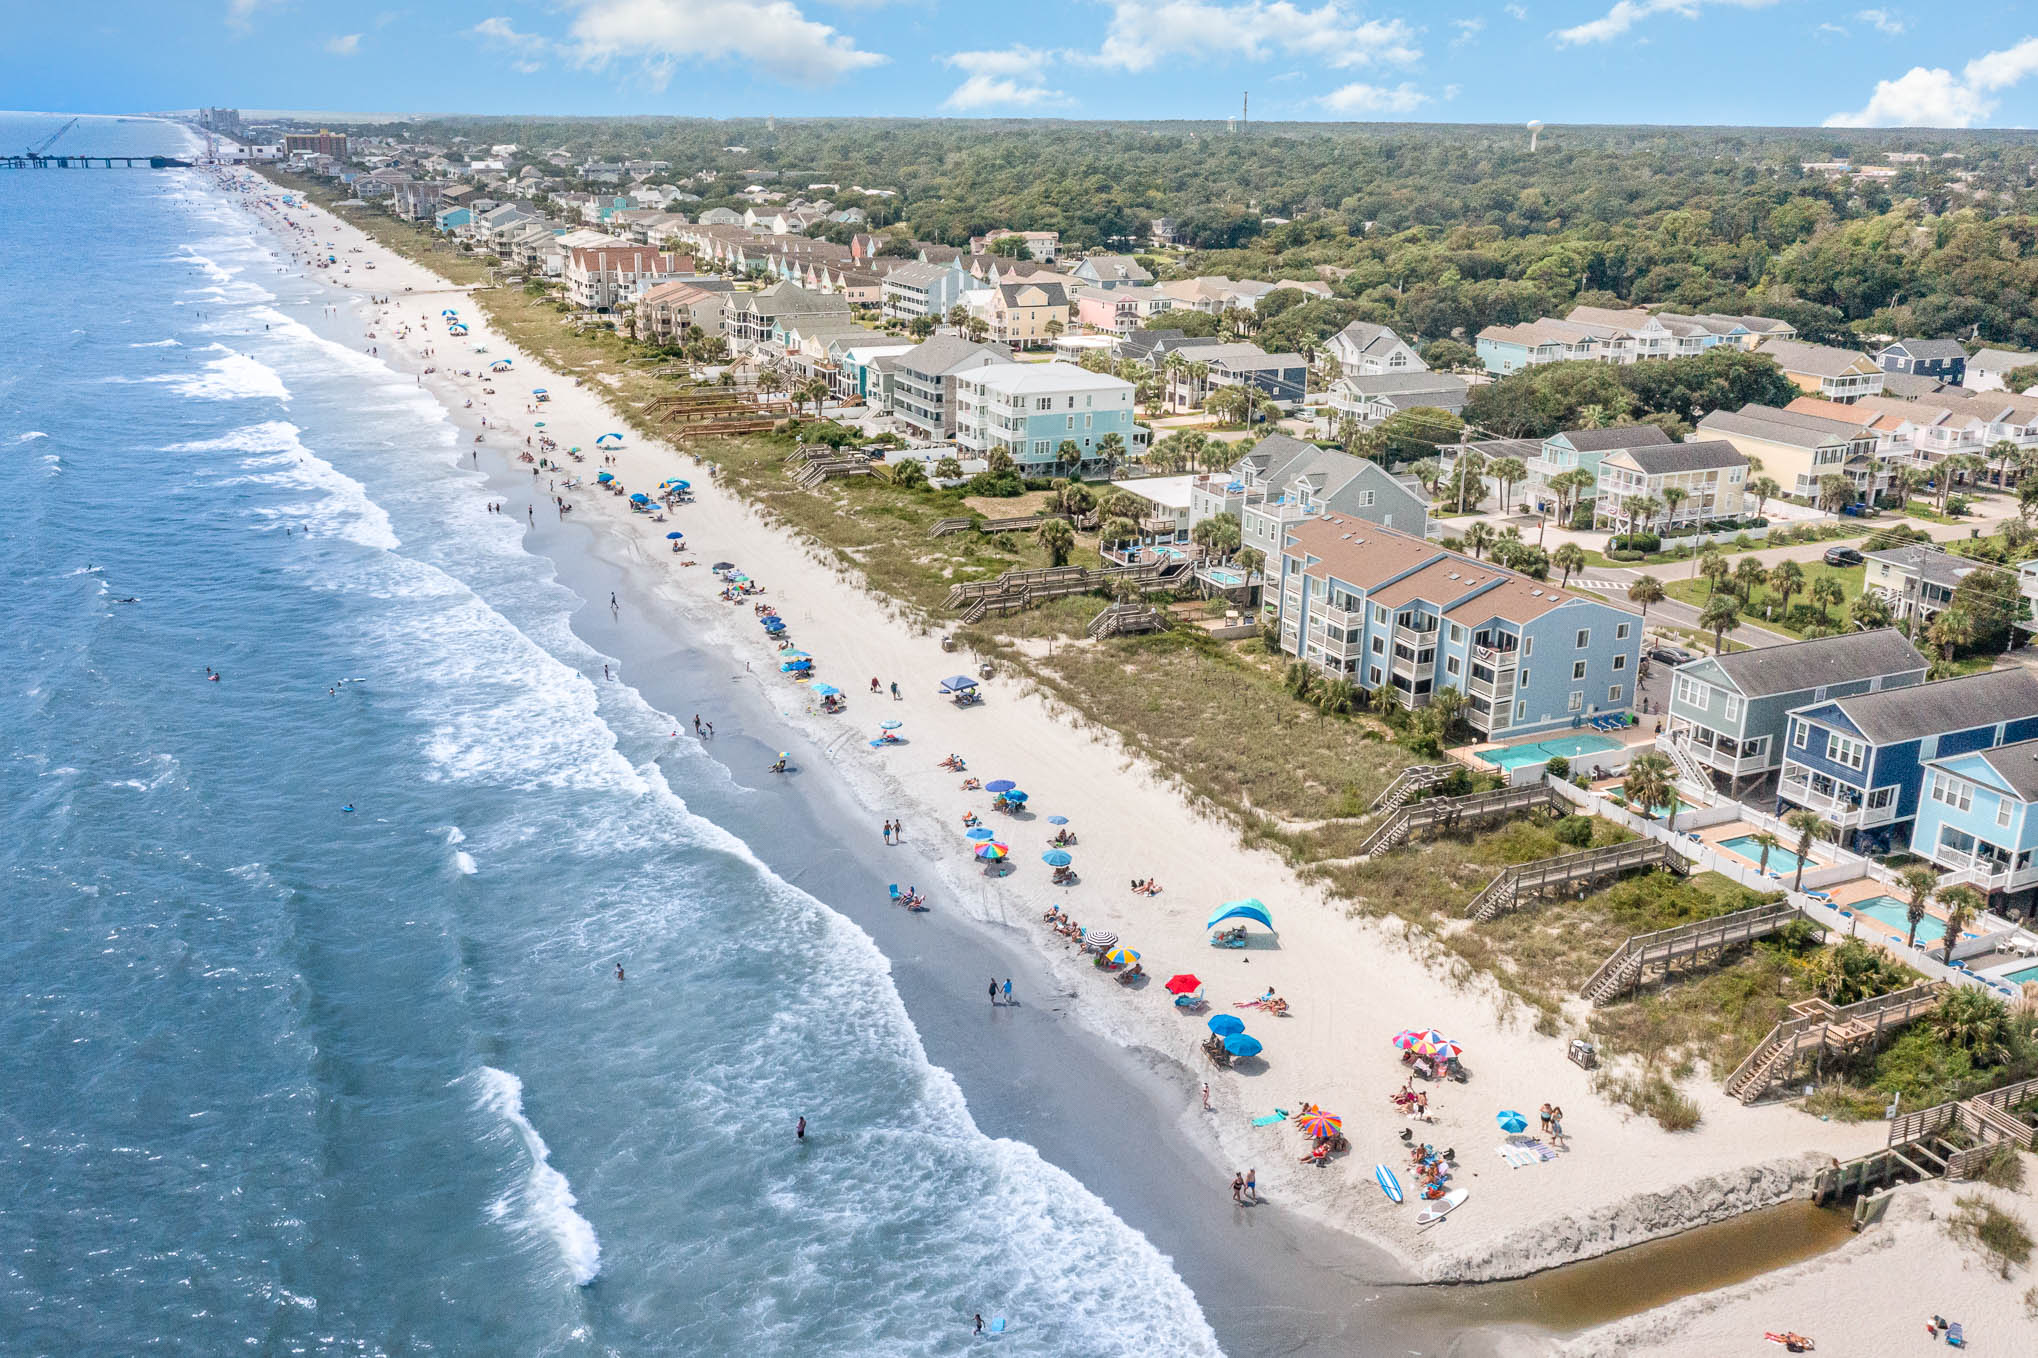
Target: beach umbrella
604,477
640,498
795,666
448,311
1224,1025
1406,1038
795,655
1242,1045
1319,1125
773,626
1121,957
1245,909
1511,1122
1002,785
537,424
991,851
982,832
1056,858
675,535
1183,984
719,565
610,438
1057,820
828,690
738,578
889,725
957,683
1015,795
1100,938
1435,1045
538,391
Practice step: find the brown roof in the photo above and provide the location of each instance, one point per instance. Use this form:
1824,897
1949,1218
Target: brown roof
1863,413
1365,554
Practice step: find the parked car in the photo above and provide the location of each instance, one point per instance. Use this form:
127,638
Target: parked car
1843,556
1663,653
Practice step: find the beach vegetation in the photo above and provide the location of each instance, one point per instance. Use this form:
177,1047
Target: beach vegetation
2000,1237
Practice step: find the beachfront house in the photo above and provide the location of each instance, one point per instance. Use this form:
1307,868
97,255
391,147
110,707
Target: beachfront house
1708,472
752,318
923,381
599,277
1282,378
1373,606
1918,581
1798,451
1728,714
1031,409
1859,761
1842,375
1976,819
1283,480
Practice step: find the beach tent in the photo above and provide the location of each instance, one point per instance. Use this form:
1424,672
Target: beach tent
501,365
1015,796
1245,909
957,683
608,440
719,565
828,690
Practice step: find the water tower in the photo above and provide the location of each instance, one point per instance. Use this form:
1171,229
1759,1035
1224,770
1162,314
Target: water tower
1535,129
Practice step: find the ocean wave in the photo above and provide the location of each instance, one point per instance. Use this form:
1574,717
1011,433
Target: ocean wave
157,344
30,435
543,1203
464,861
234,377
280,458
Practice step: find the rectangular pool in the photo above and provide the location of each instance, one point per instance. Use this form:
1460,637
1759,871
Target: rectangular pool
1893,912
2019,977
1222,575
1543,751
1781,860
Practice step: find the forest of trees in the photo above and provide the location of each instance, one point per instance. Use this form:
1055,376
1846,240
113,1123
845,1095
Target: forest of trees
1436,230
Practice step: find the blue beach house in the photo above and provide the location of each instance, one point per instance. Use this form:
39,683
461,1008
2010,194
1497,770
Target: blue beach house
1860,761
1977,818
453,218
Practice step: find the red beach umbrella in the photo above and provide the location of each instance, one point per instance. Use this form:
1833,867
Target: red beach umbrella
1183,984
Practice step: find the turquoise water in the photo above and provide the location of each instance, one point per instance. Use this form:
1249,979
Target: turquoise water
283,1077
1893,912
2019,977
1781,860
1618,790
1570,747
1224,576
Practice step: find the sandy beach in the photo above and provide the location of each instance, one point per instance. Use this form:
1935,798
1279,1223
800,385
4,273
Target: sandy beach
1351,984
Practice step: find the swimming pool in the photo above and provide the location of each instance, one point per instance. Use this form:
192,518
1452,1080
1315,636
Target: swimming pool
2019,977
1893,912
1781,860
1543,751
1620,790
1224,575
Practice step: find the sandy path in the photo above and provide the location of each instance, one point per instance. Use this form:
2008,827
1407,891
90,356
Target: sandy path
1352,983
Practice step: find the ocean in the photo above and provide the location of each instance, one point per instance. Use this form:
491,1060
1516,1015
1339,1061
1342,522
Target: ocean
312,1041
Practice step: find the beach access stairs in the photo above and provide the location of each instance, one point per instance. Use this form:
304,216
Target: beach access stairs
811,465
1663,951
1126,619
1442,815
1018,590
1949,1140
1017,524
1409,784
718,410
1584,870
1678,749
1817,1029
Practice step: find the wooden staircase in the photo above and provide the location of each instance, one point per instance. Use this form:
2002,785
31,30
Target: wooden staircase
1816,1027
1442,815
1662,950
1017,590
1585,869
1408,784
1126,620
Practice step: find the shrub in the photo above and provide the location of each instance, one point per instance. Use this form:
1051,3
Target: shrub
2005,1169
2001,1237
1637,542
1575,831
1558,767
1621,554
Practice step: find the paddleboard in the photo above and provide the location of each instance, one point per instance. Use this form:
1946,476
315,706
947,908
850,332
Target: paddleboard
1389,1185
1441,1208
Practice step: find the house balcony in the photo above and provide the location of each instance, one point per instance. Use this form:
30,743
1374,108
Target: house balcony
1991,874
1722,754
1500,658
1842,805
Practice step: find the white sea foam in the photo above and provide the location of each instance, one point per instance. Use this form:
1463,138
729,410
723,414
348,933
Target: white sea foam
157,344
464,861
233,377
30,435
543,1203
280,458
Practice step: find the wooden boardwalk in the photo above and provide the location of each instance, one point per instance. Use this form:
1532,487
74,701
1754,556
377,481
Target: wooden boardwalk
1585,870
1954,1140
1816,1028
1665,950
1442,815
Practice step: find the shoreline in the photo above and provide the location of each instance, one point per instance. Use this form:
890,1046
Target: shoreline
855,634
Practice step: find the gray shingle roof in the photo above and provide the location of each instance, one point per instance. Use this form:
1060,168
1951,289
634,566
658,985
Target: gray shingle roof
1801,665
2017,765
939,354
1781,426
1931,564
1704,455
1932,348
1910,713
1608,440
1820,360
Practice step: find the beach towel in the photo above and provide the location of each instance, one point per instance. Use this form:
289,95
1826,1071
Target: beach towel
1278,1115
1518,1157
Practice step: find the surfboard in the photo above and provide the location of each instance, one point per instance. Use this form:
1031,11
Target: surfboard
1389,1185
1441,1208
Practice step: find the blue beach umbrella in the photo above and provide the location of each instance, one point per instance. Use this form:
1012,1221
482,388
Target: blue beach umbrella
982,832
795,655
1224,1025
828,690
1056,858
537,391
1242,1044
640,498
675,535
889,725
1002,785
1015,795
1057,820
603,478
1511,1122
609,438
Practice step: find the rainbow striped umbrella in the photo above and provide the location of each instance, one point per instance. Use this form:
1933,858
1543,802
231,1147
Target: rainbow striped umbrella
992,851
1434,1045
1320,1125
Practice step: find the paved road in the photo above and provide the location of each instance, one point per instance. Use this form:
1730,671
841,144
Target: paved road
1613,582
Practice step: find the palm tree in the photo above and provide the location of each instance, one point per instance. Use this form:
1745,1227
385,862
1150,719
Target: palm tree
1471,468
1250,560
1384,699
948,469
1479,535
1976,1022
1648,782
1951,630
1919,882
1712,564
1870,612
1640,510
1809,825
1764,489
1217,535
1067,454
1826,595
1646,590
1673,496
1962,904
1428,473
1111,450
1749,577
1785,579
958,315
1836,492
1447,702
814,389
1719,616
1767,841
1568,557
1507,471
1057,539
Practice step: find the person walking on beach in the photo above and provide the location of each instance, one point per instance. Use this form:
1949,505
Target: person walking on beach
1544,1115
895,690
898,832
1008,990
1252,1185
994,990
1557,1127
1206,1096
1238,1188
888,832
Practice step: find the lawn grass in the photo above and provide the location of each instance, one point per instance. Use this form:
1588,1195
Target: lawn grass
1695,592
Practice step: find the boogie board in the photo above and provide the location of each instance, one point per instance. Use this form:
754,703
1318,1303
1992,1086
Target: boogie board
997,1325
1389,1185
1441,1208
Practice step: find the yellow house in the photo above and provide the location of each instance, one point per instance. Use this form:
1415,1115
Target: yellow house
1821,370
1020,313
1798,451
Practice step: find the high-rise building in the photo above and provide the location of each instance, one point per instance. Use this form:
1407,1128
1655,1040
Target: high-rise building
320,143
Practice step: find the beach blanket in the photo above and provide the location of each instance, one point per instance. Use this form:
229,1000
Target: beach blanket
1267,1120
1520,1156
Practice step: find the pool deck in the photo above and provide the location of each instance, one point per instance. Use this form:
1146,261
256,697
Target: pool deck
1630,737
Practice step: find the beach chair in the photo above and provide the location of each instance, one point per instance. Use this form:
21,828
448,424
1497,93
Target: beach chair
894,889
1954,1338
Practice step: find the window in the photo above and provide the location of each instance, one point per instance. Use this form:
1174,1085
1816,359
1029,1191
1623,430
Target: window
1692,693
1379,646
1613,694
1620,662
1450,664
1528,647
1577,670
1379,615
1880,798
1798,732
1457,633
1584,637
1952,792
1374,675
1620,631
1577,703
1848,753
1521,710
1730,710
1524,679
2002,811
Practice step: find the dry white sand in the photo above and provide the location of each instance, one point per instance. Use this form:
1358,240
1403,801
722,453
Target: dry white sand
1352,983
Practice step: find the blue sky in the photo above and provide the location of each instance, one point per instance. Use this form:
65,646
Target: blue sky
1788,62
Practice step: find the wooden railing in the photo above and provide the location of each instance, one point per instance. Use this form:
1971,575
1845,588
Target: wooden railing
1631,962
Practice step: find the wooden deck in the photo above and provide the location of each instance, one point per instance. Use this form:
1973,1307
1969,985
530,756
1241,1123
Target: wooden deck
1817,1028
1686,945
1442,815
1584,870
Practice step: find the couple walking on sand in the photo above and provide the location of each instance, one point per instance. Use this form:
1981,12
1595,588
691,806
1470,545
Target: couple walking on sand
1007,991
1245,1187
1553,1124
895,832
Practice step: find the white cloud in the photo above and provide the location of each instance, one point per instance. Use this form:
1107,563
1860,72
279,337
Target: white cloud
525,49
1883,20
1935,97
240,13
1468,29
1516,12
773,35
1833,29
1144,33
1360,98
1013,77
1627,13
345,45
